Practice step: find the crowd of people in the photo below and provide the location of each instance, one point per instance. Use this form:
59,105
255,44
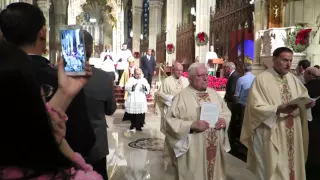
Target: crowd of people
60,132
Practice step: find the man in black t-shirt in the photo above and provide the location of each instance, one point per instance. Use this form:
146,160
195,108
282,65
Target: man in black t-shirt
24,25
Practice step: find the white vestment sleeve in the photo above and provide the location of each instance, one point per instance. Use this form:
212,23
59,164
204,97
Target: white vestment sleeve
182,146
271,121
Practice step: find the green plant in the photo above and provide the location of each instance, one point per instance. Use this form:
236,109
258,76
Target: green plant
291,40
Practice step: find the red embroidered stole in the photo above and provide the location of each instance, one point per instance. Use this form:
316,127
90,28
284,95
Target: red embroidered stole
286,97
211,140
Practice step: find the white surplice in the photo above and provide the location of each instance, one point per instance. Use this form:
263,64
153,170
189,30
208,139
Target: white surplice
136,102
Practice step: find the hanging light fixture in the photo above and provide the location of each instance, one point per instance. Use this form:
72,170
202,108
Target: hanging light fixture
141,36
193,11
93,20
131,33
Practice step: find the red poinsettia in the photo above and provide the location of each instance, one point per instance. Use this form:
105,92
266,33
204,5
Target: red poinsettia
170,47
219,84
136,55
201,37
45,52
302,36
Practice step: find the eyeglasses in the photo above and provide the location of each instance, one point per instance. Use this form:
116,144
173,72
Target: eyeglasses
202,75
47,90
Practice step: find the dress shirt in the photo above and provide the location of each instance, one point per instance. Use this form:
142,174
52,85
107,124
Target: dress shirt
243,87
301,78
231,73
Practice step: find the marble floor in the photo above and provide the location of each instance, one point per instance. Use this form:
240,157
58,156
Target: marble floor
128,160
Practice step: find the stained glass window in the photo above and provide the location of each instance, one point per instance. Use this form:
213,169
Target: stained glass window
145,19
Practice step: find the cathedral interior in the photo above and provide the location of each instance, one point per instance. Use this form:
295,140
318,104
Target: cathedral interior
240,31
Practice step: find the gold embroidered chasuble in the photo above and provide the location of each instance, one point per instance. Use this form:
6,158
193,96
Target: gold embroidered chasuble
204,158
169,87
282,153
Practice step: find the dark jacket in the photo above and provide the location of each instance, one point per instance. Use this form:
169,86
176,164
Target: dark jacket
79,135
313,160
148,66
231,87
100,101
313,87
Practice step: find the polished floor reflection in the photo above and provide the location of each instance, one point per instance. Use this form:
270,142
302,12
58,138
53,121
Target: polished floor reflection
138,155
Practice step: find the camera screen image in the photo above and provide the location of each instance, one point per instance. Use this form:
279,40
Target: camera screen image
73,50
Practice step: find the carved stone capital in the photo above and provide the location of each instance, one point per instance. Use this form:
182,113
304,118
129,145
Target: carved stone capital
137,10
156,4
44,5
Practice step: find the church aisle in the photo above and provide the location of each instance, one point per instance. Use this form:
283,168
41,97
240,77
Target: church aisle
138,155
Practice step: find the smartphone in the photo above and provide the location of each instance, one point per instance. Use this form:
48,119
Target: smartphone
73,50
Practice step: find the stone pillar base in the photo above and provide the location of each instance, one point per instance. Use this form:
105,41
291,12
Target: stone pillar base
314,54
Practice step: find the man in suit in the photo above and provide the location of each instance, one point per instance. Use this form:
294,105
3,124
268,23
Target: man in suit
30,34
312,79
230,72
100,101
148,66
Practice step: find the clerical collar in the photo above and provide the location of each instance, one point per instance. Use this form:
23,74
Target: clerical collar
277,73
175,77
197,91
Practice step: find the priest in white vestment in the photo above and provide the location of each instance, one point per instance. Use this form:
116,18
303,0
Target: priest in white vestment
171,86
108,52
196,149
209,57
108,65
122,59
136,104
276,134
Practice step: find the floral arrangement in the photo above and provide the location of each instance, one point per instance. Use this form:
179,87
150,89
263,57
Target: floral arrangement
170,48
247,60
219,84
136,55
202,39
297,39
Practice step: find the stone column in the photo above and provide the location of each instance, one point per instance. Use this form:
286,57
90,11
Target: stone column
60,15
154,22
174,12
118,30
203,25
310,16
136,26
44,5
260,23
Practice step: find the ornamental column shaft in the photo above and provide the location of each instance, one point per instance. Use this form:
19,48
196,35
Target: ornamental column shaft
44,5
154,22
174,13
118,30
136,26
203,25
